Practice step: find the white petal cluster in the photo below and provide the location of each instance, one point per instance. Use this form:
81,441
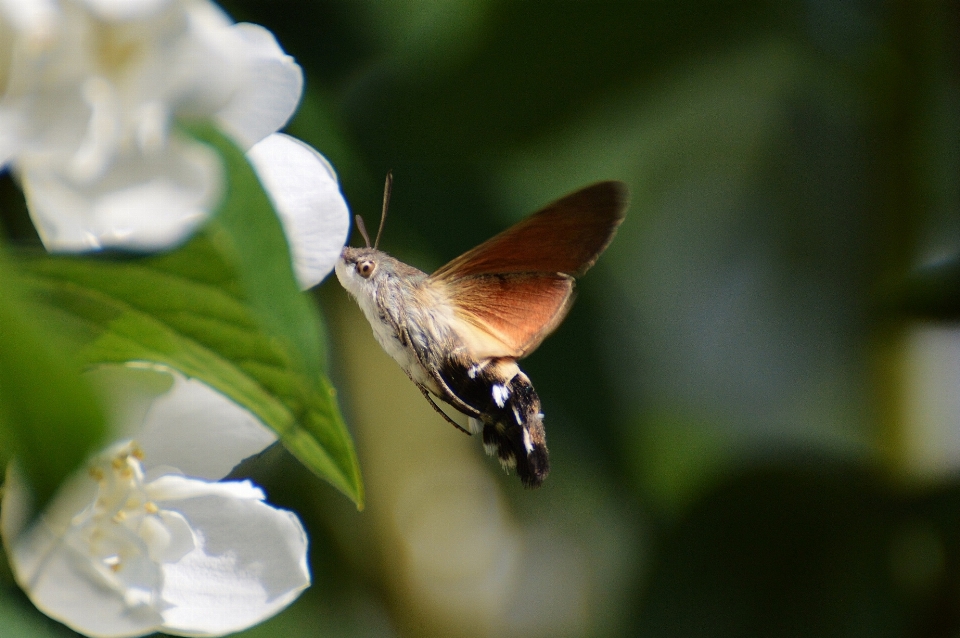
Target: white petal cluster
131,546
90,91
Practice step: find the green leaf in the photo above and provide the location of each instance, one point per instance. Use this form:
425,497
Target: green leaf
225,309
248,230
49,418
187,310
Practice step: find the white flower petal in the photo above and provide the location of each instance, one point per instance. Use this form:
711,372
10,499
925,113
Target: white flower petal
115,10
142,203
178,422
8,141
88,92
251,565
270,90
128,392
58,580
304,190
17,506
28,556
168,536
199,431
30,16
63,592
112,556
207,67
172,487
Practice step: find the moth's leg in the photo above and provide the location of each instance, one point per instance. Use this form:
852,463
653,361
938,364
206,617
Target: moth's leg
450,397
426,395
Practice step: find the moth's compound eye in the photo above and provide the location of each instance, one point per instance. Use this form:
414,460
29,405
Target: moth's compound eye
365,268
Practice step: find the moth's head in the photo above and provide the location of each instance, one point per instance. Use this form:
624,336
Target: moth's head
362,270
358,269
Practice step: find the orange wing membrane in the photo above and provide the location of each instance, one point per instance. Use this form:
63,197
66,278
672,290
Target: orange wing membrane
517,286
566,237
517,310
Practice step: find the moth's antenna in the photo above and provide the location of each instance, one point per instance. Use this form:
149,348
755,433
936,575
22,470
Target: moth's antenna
363,230
387,187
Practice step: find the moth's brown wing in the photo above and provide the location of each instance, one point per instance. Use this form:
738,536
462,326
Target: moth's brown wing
509,315
565,237
516,288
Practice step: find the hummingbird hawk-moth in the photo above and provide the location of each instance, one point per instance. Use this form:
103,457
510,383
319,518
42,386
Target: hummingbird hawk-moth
459,332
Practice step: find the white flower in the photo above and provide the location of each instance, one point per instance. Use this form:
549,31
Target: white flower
89,92
304,190
131,546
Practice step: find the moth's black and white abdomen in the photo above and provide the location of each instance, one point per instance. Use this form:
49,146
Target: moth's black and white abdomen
510,416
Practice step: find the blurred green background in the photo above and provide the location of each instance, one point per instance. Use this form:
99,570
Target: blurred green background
752,409
727,403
